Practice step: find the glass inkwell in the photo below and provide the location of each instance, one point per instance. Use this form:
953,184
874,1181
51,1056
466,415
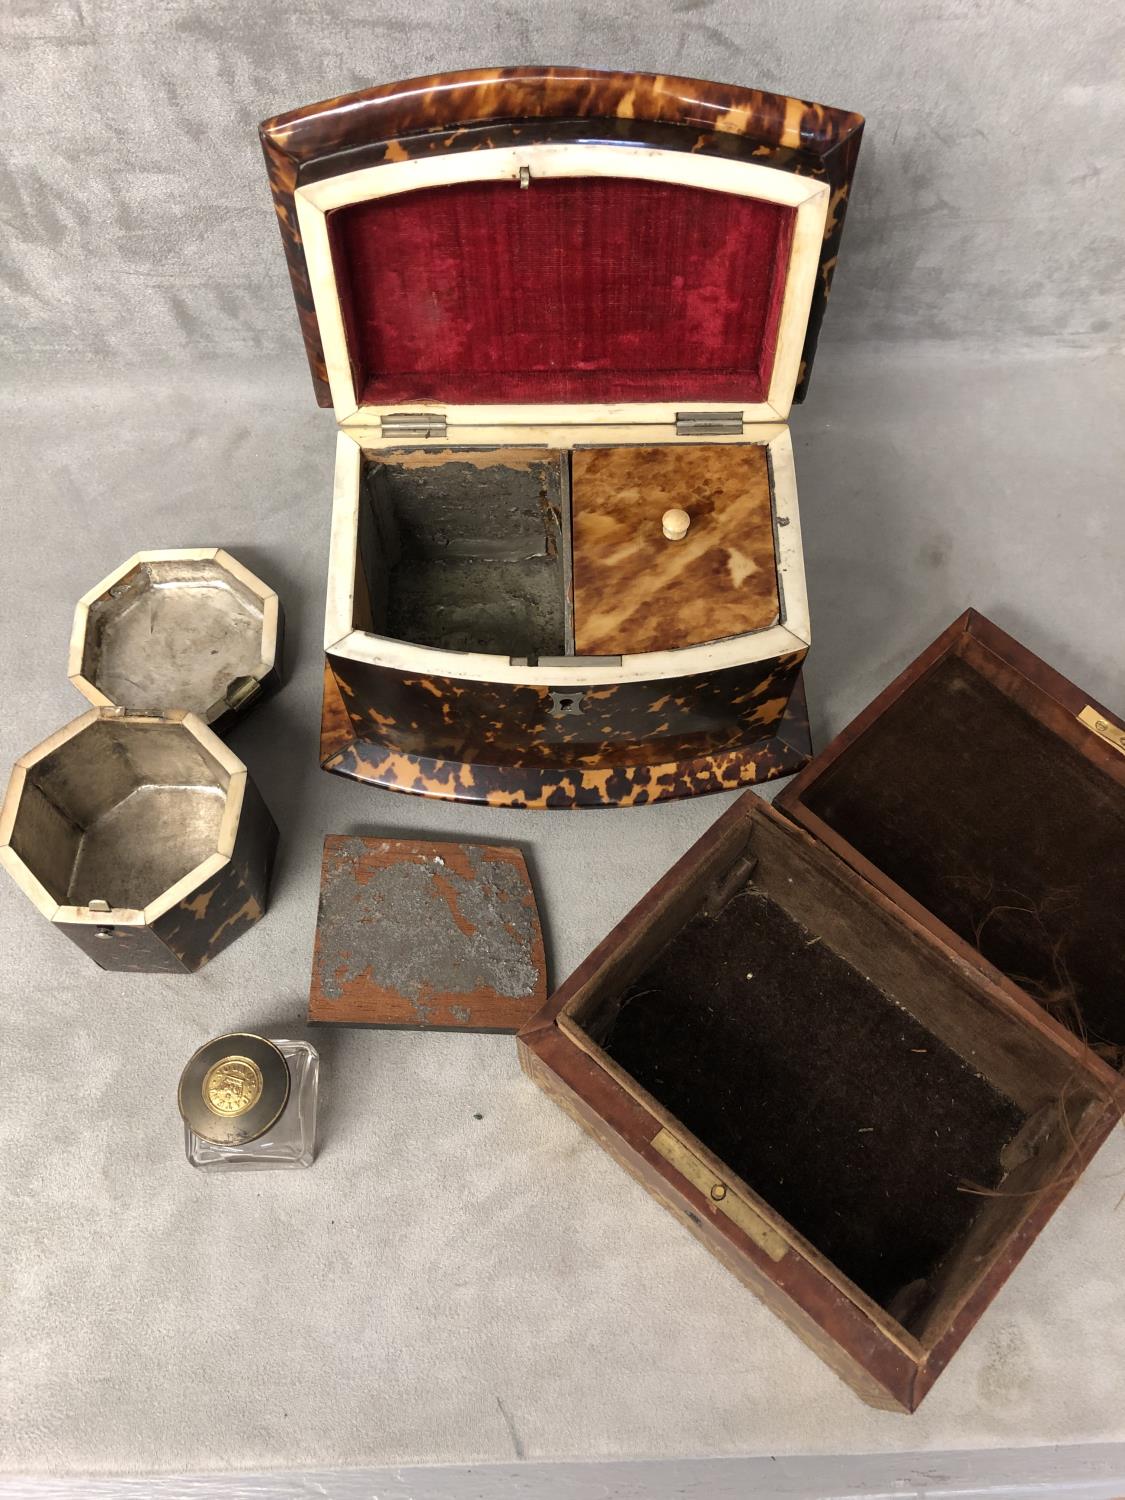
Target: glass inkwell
248,1103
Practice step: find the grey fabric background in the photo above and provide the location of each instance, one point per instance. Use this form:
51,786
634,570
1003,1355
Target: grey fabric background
442,1288
438,1288
988,205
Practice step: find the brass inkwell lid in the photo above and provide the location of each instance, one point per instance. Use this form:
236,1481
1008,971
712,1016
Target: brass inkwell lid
234,1088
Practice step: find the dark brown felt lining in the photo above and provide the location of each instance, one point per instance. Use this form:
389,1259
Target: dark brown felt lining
878,1196
1002,830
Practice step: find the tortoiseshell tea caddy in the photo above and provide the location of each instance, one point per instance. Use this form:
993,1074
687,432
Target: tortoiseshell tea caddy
548,306
134,829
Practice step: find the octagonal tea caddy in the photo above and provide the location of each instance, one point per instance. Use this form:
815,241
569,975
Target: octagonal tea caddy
141,837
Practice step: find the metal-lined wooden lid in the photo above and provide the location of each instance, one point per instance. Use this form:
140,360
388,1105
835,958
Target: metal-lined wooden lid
181,628
234,1088
426,936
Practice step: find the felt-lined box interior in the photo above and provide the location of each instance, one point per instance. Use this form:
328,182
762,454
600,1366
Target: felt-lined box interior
866,1132
973,792
579,290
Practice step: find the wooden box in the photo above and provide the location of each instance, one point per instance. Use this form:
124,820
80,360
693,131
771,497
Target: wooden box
548,306
848,1105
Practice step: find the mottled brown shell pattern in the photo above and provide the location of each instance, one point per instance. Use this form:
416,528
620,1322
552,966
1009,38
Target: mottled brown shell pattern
410,734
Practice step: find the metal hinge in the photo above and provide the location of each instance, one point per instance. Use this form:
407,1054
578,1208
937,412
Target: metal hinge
413,424
707,423
730,884
242,691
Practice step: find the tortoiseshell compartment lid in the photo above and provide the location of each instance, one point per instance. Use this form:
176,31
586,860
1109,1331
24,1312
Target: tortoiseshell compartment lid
408,279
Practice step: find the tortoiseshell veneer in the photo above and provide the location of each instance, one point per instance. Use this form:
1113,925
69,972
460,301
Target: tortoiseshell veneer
487,107
456,664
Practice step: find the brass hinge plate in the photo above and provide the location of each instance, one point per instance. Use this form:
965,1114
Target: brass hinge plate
1103,728
413,424
241,692
719,1194
708,423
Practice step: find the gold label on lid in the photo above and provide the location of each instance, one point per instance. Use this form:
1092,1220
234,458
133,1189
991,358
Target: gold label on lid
232,1086
1103,728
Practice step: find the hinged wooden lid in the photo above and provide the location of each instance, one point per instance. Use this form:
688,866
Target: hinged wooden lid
466,250
985,794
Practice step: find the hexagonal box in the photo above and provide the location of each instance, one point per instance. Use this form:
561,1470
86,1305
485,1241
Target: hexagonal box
141,837
186,628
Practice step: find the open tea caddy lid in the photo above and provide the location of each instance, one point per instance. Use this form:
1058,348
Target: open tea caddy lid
984,794
564,247
184,627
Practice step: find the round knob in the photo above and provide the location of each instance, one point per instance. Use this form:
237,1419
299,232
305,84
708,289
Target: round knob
675,524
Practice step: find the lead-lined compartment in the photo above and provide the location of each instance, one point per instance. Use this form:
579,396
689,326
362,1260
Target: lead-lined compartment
465,549
119,812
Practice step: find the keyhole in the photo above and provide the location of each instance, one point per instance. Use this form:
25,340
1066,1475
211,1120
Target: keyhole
566,703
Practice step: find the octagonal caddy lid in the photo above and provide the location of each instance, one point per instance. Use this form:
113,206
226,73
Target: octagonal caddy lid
551,246
185,628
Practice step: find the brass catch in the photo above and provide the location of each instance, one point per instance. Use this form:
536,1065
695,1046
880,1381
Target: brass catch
1103,728
721,1194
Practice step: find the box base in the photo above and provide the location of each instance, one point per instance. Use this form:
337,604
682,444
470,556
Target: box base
363,758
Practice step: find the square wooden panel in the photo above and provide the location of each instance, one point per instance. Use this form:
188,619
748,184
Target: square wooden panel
429,936
634,590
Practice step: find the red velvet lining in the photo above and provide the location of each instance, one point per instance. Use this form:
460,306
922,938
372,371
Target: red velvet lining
577,289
